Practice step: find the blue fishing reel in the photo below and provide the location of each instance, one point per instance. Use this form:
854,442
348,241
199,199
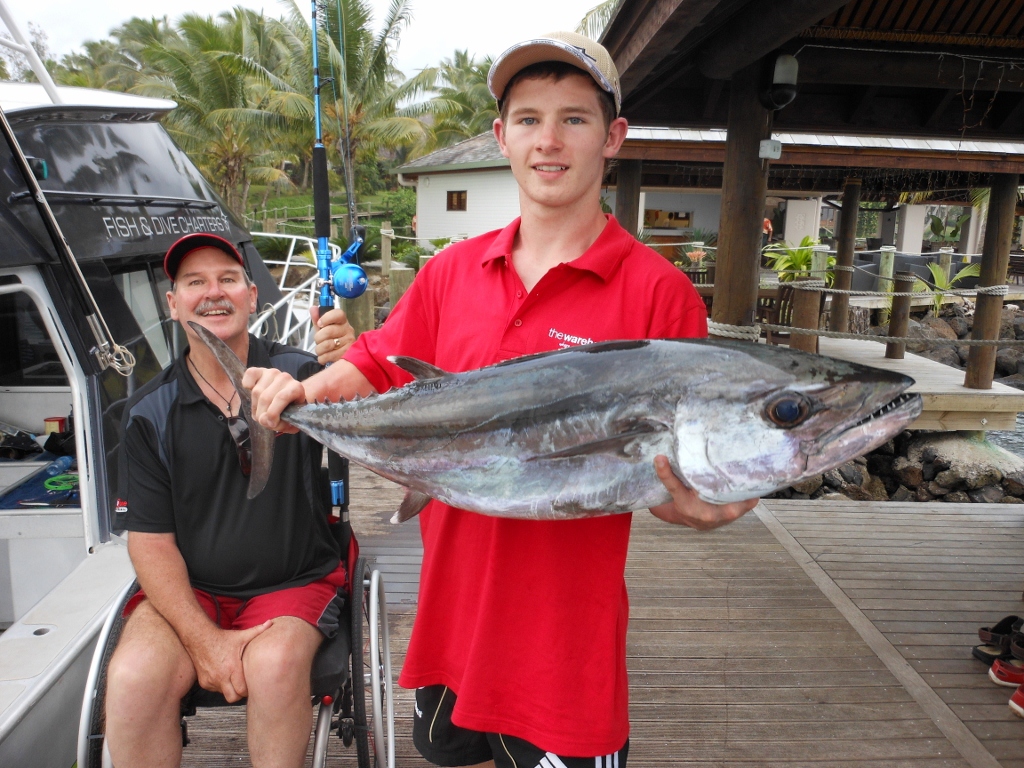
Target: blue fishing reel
348,278
342,277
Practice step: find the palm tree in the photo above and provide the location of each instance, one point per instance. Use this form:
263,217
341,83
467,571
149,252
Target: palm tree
226,132
458,104
596,19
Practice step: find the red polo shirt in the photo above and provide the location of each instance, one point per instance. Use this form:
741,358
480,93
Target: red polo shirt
526,620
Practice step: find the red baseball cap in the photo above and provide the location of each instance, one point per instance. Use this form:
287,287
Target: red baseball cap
189,243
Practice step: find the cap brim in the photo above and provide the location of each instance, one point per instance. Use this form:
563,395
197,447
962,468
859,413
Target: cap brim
185,245
520,56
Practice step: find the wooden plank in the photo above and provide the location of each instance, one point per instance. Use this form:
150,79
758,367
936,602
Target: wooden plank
929,604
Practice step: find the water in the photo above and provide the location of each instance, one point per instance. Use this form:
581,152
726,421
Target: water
1013,441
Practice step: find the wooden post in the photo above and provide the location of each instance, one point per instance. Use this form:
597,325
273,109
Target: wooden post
386,235
360,312
399,281
886,265
840,311
946,261
819,262
744,183
900,320
806,314
995,258
627,194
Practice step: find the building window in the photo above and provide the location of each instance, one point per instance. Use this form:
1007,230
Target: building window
457,200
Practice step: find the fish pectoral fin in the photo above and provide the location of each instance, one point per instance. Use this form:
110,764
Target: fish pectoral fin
617,442
411,505
418,368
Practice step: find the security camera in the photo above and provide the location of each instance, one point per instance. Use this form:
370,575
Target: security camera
781,90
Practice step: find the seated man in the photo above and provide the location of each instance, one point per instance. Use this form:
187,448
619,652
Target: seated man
236,594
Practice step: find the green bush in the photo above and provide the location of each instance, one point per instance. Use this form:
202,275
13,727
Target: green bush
400,205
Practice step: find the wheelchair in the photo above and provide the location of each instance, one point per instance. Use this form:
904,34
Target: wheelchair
351,680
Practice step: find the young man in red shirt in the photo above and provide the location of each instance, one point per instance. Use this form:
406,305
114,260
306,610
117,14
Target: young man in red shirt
518,650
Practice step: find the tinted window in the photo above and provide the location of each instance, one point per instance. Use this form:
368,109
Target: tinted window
27,356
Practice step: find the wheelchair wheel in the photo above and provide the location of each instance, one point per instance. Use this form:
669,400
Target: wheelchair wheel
92,745
373,704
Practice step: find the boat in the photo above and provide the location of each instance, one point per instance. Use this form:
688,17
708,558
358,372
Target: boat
121,192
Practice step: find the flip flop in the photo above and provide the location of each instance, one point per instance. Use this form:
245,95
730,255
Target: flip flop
990,653
1000,633
1008,672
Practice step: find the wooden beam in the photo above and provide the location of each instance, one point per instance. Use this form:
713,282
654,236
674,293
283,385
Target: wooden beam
860,109
831,156
714,93
1013,118
840,315
995,257
938,108
745,180
627,194
760,28
906,70
641,35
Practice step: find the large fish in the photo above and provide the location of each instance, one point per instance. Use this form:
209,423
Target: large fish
574,433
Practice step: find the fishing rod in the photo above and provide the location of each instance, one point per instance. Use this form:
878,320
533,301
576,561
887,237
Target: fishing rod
344,278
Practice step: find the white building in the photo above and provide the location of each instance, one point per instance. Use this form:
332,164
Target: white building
468,189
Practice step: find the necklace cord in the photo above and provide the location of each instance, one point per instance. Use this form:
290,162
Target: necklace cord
226,400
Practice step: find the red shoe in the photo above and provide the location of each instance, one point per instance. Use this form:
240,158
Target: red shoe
1008,672
1017,702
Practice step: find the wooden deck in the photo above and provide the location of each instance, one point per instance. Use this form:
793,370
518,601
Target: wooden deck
948,404
804,635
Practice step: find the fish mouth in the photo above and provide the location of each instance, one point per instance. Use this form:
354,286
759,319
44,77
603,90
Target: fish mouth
893,405
847,441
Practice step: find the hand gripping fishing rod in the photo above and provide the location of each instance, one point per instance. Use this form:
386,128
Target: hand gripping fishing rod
344,278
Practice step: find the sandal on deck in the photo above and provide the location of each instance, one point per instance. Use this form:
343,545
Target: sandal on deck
1007,672
1001,632
989,653
1017,645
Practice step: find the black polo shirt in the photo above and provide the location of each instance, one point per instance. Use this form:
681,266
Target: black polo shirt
179,473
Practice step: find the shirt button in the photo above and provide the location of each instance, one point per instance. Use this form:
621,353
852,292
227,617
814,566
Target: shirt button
517,323
519,294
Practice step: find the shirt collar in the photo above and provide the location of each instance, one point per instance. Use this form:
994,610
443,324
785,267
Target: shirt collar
601,258
188,387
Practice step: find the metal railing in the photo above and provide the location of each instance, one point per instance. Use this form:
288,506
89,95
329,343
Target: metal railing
293,326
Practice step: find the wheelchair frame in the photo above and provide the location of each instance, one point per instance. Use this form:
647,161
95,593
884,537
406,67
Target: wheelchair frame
345,711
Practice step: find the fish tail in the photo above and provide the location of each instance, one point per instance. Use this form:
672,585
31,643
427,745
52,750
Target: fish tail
261,439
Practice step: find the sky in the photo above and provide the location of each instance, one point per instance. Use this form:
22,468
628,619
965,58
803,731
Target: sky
438,28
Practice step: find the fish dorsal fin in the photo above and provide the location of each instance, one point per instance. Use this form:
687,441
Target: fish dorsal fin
418,368
412,505
613,444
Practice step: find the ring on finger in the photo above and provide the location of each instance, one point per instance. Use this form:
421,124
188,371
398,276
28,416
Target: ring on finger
337,343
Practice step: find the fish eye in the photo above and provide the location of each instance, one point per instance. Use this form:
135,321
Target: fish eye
788,411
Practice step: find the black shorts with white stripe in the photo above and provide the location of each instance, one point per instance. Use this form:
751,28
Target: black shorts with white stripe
441,742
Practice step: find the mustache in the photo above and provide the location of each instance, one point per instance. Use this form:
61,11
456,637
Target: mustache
209,306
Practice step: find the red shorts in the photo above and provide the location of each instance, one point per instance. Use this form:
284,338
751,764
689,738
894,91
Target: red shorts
317,603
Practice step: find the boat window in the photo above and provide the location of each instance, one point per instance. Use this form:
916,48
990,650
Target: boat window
27,356
148,305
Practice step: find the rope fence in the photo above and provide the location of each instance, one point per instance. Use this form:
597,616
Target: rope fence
753,333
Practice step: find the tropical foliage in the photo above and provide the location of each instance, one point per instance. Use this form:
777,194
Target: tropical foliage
794,263
243,83
943,282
